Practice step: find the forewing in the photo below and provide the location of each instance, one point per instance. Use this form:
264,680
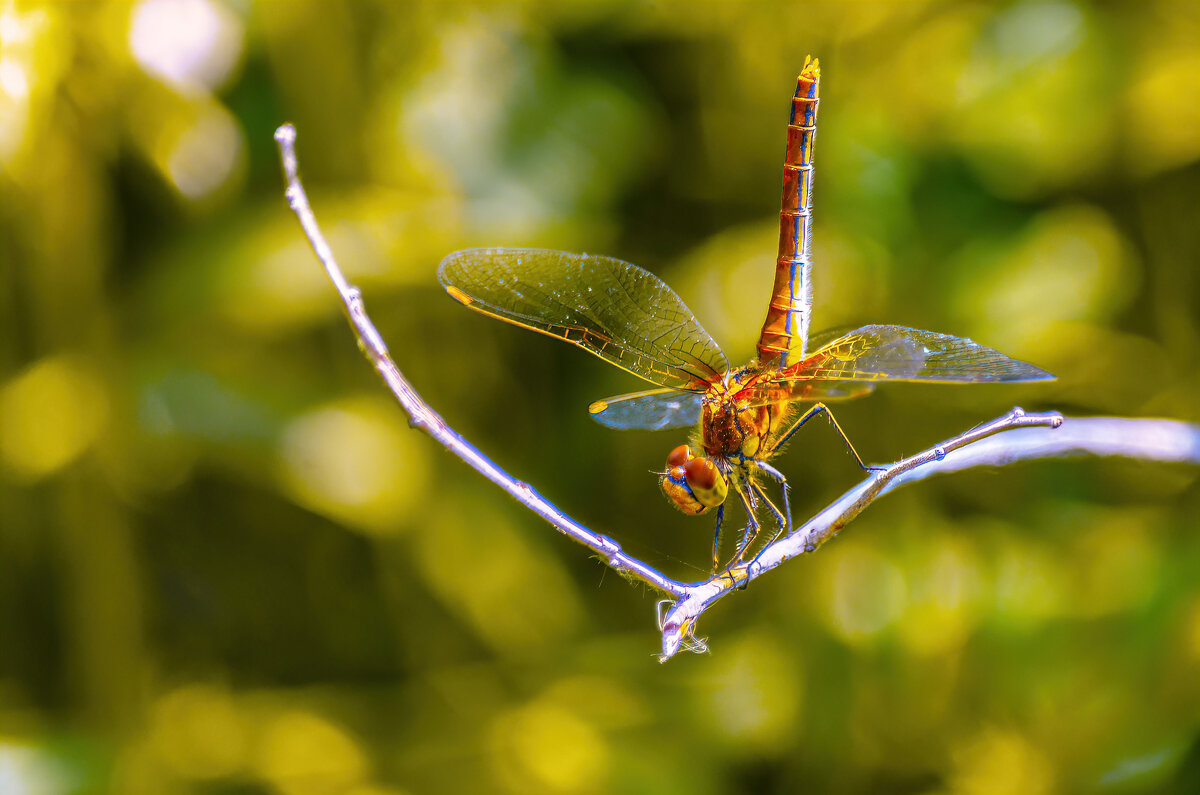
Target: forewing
874,354
820,339
899,353
896,353
652,410
618,311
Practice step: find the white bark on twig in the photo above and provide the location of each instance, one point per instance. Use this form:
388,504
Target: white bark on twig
1015,436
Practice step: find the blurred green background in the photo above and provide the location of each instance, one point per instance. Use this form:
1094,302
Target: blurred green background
228,566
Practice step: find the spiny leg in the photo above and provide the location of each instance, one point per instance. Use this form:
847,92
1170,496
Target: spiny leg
784,488
717,539
817,409
749,531
780,522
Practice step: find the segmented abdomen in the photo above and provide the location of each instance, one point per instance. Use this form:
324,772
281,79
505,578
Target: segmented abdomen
785,330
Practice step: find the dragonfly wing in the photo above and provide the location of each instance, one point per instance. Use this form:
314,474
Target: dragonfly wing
652,410
856,362
819,339
618,311
830,390
790,391
896,353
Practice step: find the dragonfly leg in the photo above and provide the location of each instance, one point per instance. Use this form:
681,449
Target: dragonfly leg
821,408
749,533
716,552
781,523
784,489
751,530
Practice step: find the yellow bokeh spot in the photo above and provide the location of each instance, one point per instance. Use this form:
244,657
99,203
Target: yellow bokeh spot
270,283
275,285
997,761
1030,116
514,597
202,156
49,416
1070,264
754,693
355,461
1116,564
603,701
35,52
859,592
195,143
943,602
302,753
1164,111
550,748
1093,361
724,281
198,733
1028,583
920,89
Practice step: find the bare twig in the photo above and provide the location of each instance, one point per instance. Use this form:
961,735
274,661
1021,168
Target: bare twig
426,419
1028,436
1025,436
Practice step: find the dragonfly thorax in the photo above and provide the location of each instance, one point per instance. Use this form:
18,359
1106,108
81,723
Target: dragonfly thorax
734,421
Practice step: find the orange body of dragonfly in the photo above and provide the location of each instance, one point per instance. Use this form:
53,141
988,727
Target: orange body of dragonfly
629,317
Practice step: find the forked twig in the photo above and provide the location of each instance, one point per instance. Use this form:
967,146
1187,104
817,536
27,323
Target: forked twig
1039,436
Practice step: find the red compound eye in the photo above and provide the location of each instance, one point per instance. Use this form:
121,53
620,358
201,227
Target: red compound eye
701,474
679,456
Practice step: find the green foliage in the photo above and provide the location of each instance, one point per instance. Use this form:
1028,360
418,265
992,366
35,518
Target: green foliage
227,565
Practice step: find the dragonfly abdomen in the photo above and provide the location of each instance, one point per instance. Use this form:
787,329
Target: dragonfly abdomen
785,329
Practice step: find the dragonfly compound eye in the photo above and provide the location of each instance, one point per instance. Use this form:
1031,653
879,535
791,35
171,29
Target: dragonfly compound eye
675,486
706,483
679,456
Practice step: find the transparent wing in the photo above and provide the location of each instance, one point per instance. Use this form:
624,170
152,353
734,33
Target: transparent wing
620,312
896,353
652,410
874,354
820,339
826,390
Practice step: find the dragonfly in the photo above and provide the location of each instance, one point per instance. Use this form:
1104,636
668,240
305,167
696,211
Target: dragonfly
742,416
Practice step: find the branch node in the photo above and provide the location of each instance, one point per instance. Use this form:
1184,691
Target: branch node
610,549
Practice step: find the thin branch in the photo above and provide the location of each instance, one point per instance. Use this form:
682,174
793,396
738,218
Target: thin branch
425,418
1025,436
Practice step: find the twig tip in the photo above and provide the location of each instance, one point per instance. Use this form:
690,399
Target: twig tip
286,134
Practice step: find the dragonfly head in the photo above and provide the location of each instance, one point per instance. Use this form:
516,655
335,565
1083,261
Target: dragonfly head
693,482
